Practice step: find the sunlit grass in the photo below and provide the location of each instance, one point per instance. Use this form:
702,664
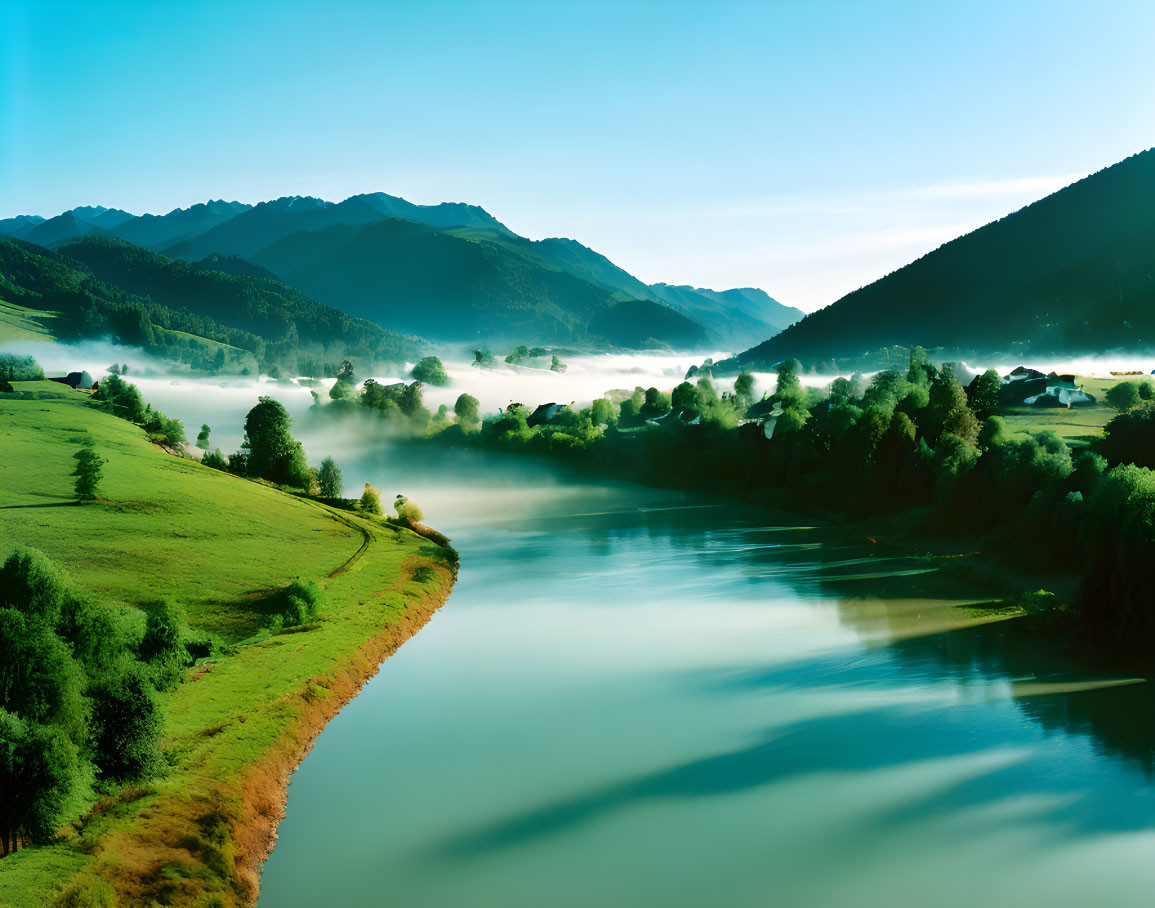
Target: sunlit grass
216,543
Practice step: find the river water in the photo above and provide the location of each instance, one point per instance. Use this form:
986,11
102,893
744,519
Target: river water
638,698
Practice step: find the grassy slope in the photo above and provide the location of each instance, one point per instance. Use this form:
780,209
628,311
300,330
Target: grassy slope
237,727
1076,426
18,323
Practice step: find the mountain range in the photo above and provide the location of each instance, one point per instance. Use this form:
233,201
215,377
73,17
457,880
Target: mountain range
448,272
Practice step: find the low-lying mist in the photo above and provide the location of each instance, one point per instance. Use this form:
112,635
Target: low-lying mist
469,484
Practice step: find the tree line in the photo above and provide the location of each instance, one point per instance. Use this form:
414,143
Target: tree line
912,441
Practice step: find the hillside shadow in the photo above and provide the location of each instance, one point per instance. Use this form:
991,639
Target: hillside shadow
891,737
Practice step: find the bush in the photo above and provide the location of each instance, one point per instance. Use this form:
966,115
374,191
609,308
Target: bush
296,604
19,368
163,646
431,371
370,501
1124,396
127,721
407,510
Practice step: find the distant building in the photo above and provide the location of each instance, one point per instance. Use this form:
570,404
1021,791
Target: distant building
81,380
545,414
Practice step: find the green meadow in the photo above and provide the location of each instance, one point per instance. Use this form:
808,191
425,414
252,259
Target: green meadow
167,528
18,323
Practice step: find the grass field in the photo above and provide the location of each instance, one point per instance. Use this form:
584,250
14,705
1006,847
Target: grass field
18,323
1077,426
170,528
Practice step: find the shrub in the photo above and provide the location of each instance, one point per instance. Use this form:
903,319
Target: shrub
431,371
296,604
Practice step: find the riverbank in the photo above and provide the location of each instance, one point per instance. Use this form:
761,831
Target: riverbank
245,716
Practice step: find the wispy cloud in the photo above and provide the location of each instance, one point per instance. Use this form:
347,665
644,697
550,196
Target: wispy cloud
989,189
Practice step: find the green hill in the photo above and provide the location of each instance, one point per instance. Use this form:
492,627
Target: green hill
277,323
450,286
168,528
1073,273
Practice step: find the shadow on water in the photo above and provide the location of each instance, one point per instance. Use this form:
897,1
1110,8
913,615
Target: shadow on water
906,612
888,737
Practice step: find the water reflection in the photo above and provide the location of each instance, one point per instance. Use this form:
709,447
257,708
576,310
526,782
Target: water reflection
642,698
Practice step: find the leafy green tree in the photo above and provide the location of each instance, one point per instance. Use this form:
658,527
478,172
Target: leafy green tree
39,679
556,365
983,394
127,722
329,479
42,781
483,359
411,401
992,432
14,367
686,397
1123,396
518,355
216,460
270,451
203,437
121,399
788,392
89,472
468,411
1130,437
601,411
163,645
431,371
370,501
744,390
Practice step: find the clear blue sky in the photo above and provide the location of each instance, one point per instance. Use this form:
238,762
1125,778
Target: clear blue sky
803,147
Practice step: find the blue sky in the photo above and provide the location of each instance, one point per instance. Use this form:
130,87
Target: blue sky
803,147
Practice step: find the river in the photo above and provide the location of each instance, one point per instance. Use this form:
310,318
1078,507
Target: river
640,698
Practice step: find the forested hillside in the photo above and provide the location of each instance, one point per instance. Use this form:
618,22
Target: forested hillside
450,271
1072,273
108,288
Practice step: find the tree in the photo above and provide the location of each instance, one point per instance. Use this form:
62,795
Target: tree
557,365
163,645
685,398
89,472
406,509
127,722
431,371
39,678
468,411
789,391
1123,396
42,781
270,451
483,359
601,412
983,394
203,437
1130,437
744,390
370,501
329,479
